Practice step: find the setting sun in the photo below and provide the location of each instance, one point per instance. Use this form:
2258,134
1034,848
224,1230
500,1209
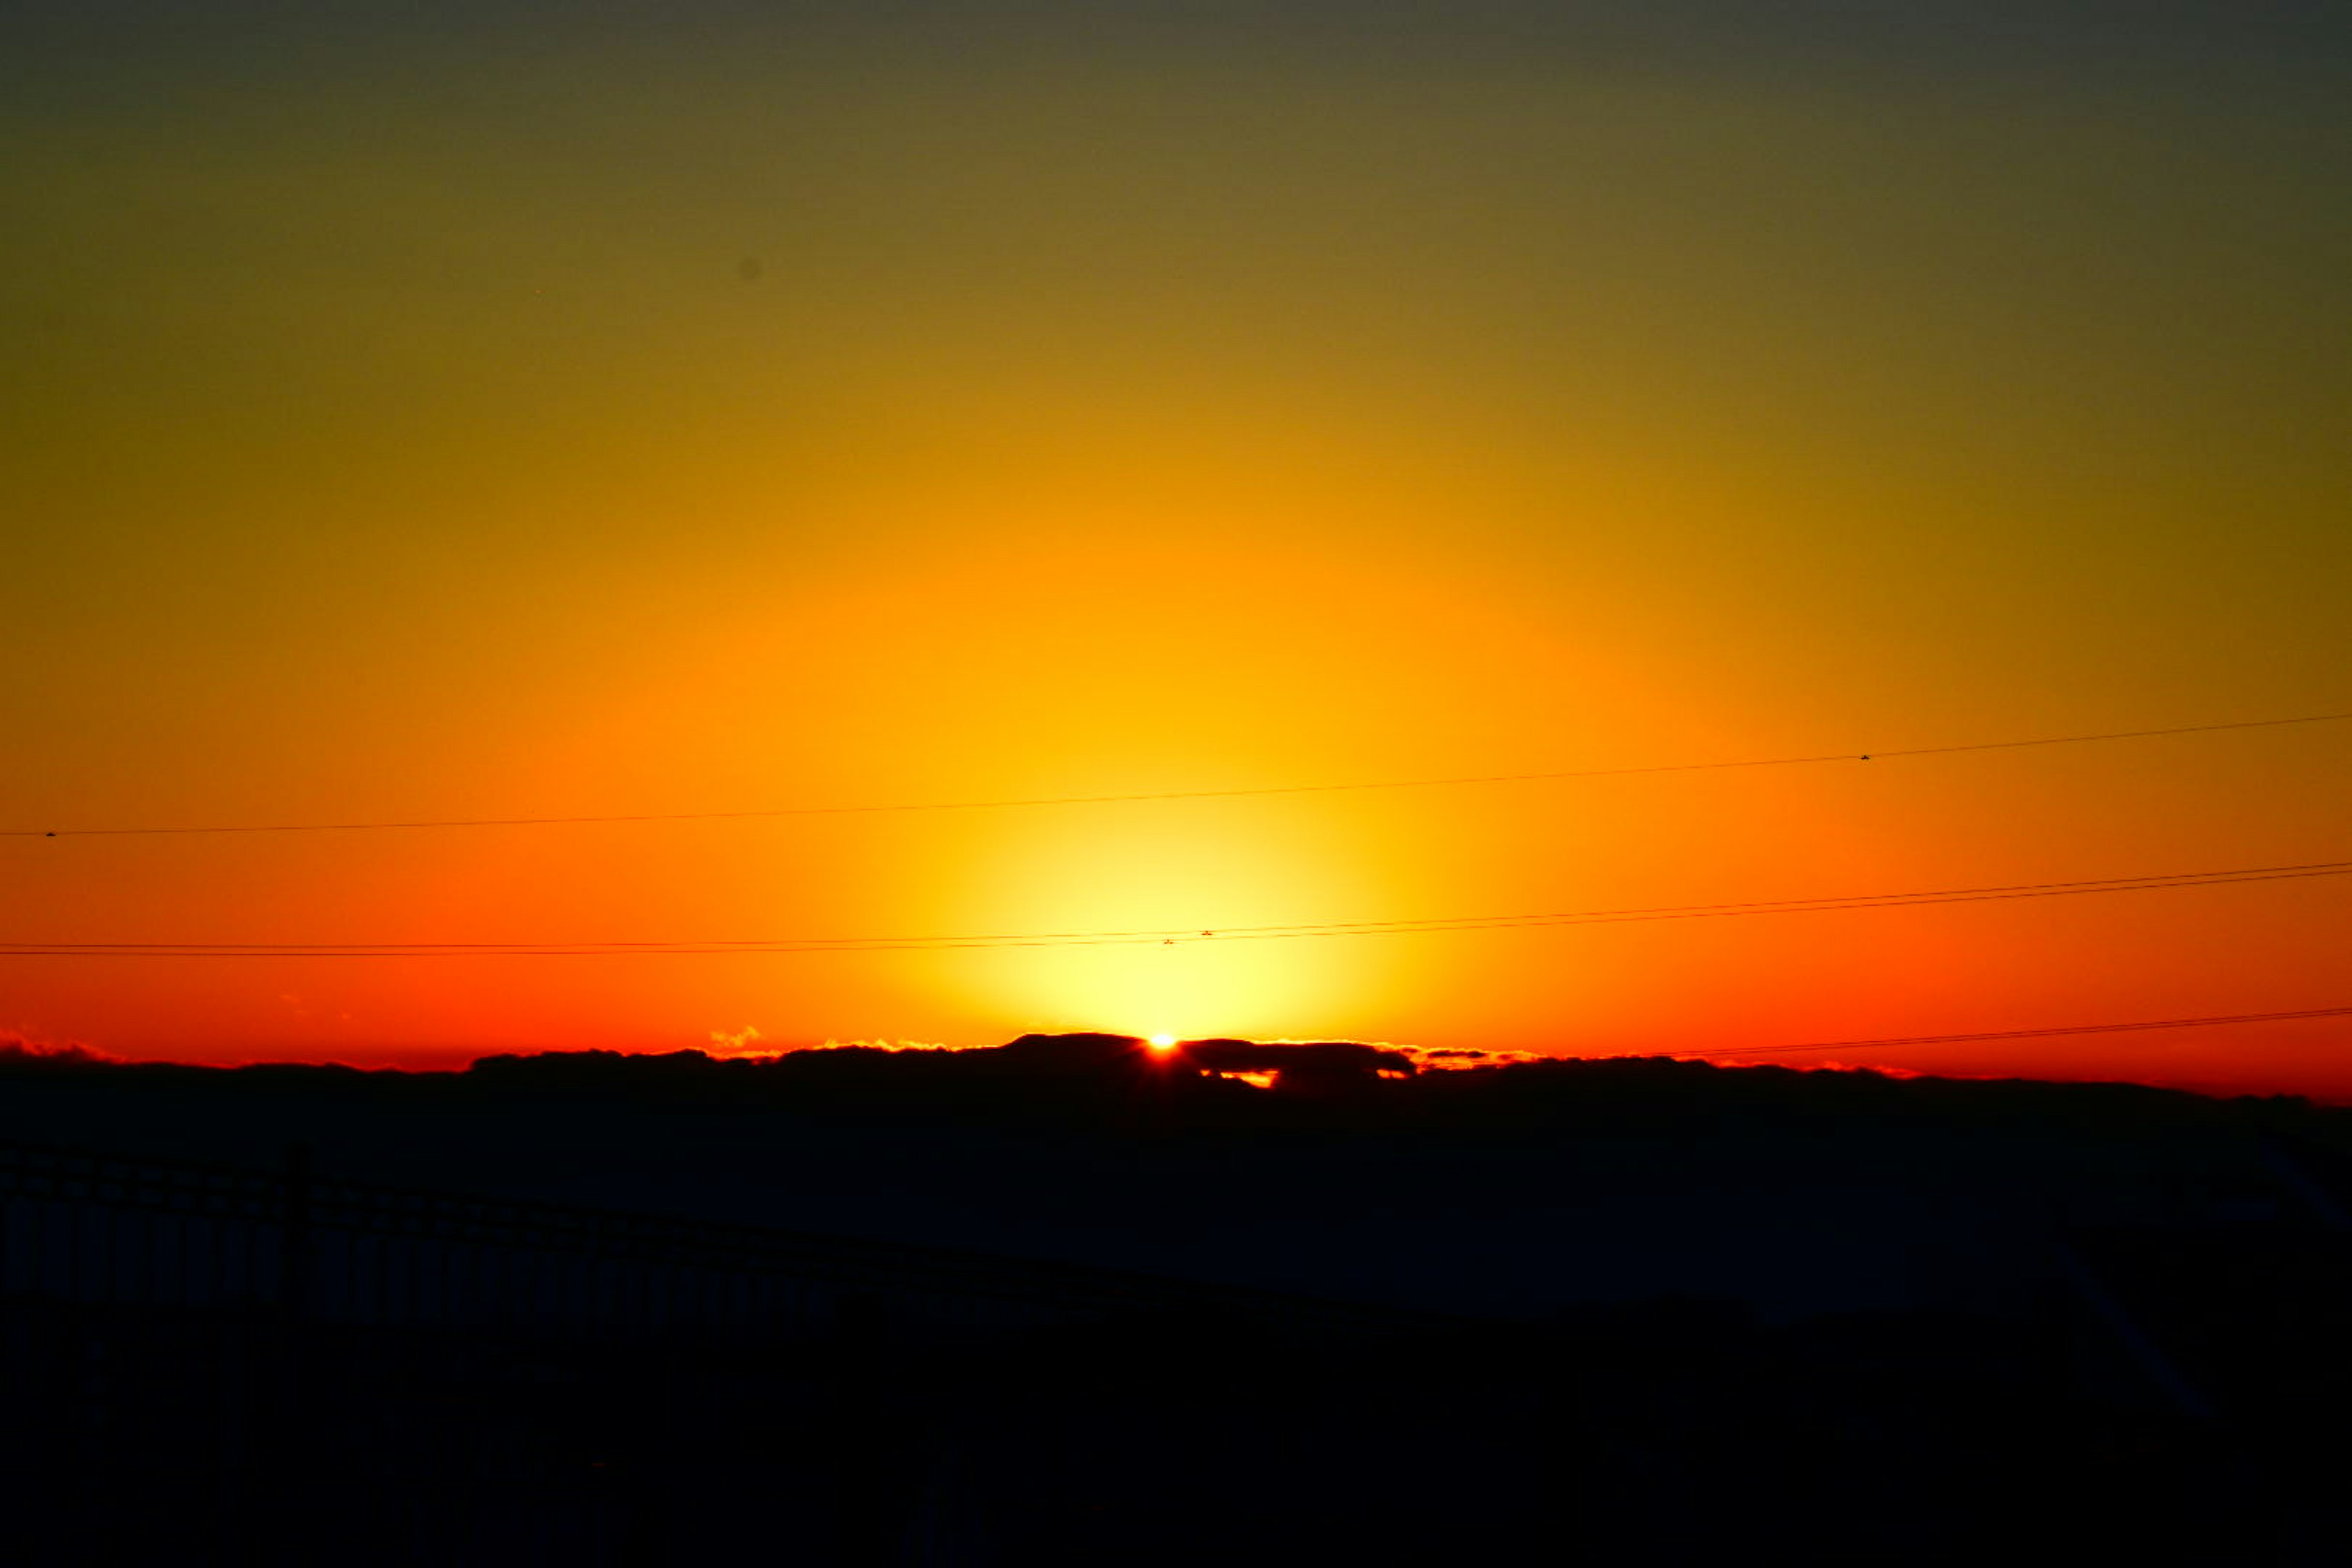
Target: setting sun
1072,518
865,781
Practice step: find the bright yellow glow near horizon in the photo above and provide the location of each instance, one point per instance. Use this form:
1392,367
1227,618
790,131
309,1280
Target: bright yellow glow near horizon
726,411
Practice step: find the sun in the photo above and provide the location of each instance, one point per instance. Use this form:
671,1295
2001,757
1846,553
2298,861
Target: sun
1161,1042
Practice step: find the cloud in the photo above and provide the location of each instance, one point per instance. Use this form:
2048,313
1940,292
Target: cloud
20,1049
1454,1057
1884,1069
1437,1059
737,1042
1298,1060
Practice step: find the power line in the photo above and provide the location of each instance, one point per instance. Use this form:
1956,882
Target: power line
1037,801
2043,1033
1173,936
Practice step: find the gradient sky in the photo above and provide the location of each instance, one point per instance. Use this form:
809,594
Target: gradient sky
513,409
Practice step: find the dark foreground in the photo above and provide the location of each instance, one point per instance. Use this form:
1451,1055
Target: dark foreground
1108,1309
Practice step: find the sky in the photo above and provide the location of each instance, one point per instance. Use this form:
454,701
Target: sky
509,409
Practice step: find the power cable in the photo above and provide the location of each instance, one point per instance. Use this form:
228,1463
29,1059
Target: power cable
1186,935
2043,1033
1039,801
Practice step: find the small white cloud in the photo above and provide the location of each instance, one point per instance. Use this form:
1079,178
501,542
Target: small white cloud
741,1040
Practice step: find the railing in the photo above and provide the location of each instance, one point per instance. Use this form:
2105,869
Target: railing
82,1227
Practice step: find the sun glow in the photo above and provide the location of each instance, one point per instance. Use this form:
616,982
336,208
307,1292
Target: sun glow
1162,1041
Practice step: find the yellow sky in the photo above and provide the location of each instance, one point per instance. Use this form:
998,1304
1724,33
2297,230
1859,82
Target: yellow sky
594,422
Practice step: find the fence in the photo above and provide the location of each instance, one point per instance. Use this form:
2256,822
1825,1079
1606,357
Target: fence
97,1228
210,1366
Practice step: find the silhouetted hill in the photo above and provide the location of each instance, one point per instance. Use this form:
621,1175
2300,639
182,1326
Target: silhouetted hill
1512,1188
1779,1314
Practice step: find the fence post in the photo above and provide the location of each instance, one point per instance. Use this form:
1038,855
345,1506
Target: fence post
294,1248
282,1492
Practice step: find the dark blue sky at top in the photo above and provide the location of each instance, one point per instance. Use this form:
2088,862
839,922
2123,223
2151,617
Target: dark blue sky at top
58,44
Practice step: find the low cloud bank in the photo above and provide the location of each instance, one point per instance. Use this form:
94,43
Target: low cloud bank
1121,1081
19,1050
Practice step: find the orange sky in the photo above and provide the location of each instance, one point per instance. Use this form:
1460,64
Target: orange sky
633,420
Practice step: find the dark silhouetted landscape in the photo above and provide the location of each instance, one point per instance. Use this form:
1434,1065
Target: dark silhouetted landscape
1709,637
1075,1301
